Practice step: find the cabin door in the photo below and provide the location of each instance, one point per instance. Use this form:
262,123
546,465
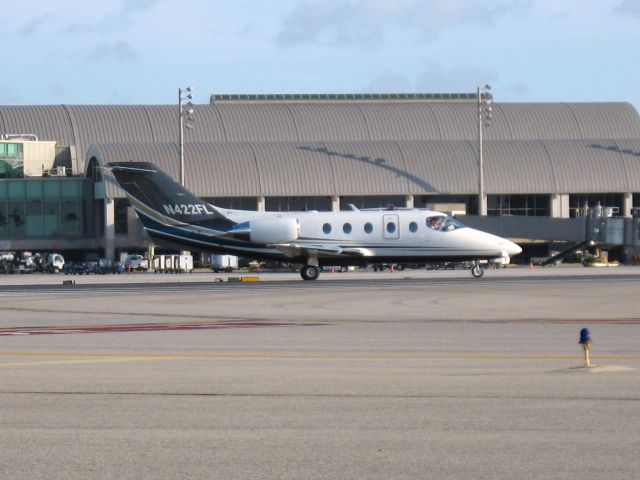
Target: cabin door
390,226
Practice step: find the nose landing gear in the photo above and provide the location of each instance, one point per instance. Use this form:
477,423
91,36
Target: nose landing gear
477,270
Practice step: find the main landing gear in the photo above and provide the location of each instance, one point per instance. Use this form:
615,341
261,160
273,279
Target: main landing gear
310,272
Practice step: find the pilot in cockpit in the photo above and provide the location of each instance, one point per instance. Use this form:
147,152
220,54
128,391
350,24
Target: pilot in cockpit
434,222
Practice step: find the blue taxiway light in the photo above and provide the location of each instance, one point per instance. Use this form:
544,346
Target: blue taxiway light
585,336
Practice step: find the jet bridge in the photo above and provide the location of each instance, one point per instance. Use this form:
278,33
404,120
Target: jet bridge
601,231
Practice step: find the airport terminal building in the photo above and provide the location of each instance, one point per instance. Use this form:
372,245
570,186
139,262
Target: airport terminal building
314,152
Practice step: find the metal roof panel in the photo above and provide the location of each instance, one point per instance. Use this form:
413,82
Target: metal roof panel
257,123
403,121
587,167
630,154
331,122
367,168
288,169
440,167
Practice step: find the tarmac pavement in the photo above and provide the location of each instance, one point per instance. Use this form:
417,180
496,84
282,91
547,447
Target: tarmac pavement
358,375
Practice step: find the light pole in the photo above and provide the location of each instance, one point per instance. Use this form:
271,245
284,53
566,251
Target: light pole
185,114
485,119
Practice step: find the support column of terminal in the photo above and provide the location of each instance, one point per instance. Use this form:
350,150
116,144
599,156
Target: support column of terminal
408,201
335,203
109,228
560,206
261,205
631,237
482,208
627,205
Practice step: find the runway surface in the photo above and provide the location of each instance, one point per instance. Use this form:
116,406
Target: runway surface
403,375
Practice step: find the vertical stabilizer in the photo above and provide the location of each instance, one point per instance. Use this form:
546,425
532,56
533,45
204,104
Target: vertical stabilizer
158,198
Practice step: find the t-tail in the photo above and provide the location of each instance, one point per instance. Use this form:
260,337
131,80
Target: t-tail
162,203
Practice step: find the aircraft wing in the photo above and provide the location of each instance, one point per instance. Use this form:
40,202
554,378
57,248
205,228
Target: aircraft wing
293,249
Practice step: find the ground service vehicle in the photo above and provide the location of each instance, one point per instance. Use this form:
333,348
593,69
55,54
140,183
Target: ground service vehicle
173,264
224,263
54,263
136,262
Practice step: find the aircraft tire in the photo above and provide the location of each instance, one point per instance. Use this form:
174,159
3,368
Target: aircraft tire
477,271
310,272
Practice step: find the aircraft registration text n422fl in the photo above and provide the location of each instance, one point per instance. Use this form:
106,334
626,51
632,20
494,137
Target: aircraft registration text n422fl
188,209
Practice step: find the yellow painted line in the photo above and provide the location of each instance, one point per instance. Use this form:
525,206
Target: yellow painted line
80,362
115,357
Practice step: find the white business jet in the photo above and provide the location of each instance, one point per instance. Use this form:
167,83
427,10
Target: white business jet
173,215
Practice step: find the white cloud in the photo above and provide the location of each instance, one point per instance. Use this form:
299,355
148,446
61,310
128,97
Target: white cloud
27,17
117,20
34,25
366,23
628,7
120,52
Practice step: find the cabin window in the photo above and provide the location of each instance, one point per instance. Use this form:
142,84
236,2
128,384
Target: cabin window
326,228
368,228
391,227
346,228
413,227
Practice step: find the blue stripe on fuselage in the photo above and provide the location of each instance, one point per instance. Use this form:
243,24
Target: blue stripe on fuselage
187,235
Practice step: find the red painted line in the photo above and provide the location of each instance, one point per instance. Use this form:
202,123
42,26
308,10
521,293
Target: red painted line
138,328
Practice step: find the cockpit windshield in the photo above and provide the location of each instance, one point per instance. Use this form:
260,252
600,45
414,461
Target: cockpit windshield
443,223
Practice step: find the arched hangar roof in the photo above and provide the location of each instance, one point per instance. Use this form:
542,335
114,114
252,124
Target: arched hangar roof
308,122
389,167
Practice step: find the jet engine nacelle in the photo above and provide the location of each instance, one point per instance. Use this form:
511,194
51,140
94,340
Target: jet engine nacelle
274,230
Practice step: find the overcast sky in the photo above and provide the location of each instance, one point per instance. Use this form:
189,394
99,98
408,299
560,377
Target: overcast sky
142,51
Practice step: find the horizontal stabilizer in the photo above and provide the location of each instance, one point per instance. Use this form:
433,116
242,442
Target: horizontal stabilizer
362,252
294,249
